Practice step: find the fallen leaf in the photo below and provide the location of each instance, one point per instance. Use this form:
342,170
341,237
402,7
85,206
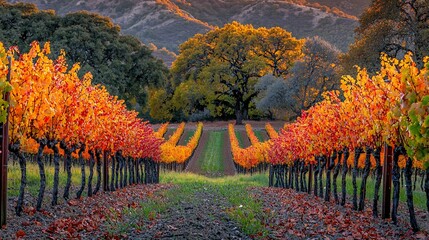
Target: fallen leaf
20,233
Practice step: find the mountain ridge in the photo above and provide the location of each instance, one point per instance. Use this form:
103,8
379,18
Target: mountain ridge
168,23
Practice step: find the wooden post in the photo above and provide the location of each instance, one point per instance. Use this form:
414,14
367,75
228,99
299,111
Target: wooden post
105,171
4,139
310,178
387,181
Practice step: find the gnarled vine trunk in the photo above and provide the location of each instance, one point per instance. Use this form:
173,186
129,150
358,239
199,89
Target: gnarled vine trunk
53,145
151,171
68,162
82,171
343,176
358,152
316,172
378,175
427,188
136,162
368,152
296,166
336,172
112,180
409,191
331,165
15,148
42,144
271,176
91,171
399,150
98,184
322,166
291,179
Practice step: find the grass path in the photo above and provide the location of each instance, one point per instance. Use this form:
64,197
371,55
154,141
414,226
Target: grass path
197,207
211,161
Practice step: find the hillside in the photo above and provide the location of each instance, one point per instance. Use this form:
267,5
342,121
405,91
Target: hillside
353,7
168,23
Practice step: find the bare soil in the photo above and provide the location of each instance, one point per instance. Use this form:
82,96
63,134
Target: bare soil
194,166
202,216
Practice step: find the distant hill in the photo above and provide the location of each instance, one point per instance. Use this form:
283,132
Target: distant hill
353,7
168,23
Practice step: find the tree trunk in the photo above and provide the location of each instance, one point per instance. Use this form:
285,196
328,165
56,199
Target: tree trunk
427,188
409,191
378,175
125,167
53,146
131,170
310,180
68,152
279,176
316,172
322,166
142,170
121,170
42,144
151,171
66,194
15,148
112,182
91,172
286,175
343,176
82,170
366,169
396,182
98,184
416,171
305,170
358,152
136,162
271,176
301,176
331,165
291,171
238,114
296,174
336,172
117,170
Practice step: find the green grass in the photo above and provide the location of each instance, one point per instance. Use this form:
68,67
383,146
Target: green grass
259,134
188,135
244,209
419,197
33,178
212,159
240,139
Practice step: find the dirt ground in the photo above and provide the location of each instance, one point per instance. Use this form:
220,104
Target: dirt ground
202,216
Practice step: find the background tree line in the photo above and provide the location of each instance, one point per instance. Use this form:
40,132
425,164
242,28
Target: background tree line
122,63
233,72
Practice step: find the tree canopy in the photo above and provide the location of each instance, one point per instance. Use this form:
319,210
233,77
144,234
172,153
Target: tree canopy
394,27
313,74
229,61
121,63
